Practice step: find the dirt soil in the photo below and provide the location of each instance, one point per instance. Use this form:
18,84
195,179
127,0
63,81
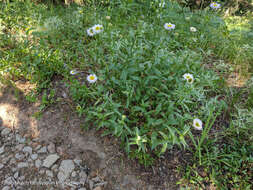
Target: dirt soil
61,125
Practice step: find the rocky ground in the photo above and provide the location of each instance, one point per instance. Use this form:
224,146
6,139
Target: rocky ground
51,151
27,164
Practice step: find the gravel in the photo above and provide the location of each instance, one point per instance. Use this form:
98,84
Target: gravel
25,163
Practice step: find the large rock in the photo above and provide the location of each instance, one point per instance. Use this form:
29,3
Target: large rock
65,169
50,160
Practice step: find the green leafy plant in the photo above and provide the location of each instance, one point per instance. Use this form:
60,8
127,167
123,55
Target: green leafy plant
140,96
212,115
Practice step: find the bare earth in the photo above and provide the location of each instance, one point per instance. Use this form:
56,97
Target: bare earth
103,164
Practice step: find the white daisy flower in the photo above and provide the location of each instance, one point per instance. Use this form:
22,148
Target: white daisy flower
90,32
92,78
197,124
215,5
188,77
73,72
169,26
193,29
98,28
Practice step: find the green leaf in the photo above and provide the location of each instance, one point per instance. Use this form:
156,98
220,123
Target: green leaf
164,147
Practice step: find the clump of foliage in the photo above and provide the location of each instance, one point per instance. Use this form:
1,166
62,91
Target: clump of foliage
226,159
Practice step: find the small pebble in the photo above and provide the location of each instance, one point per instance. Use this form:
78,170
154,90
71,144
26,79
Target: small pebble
34,156
54,167
91,183
2,150
78,162
21,178
50,160
20,139
28,149
22,164
16,175
96,179
38,147
19,156
43,150
97,188
73,174
5,160
1,166
19,147
12,161
37,163
51,148
5,132
49,173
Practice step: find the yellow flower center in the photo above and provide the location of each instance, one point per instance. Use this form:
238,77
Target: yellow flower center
92,78
197,124
215,5
97,28
169,25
